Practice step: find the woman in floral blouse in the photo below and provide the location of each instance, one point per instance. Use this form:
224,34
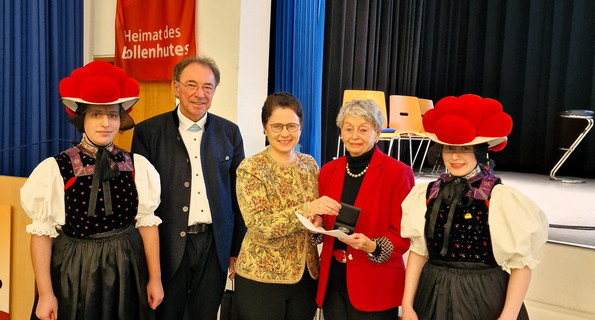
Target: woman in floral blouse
277,266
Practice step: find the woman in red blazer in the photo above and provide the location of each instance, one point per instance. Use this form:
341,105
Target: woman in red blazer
362,277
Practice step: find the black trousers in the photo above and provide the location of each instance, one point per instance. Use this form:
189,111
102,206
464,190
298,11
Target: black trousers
336,306
270,301
197,287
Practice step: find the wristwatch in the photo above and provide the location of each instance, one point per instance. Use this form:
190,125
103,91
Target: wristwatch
376,251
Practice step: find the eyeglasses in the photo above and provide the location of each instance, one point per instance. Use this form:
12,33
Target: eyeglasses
291,127
191,87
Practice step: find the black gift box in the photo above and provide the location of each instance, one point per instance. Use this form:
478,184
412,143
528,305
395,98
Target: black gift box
347,218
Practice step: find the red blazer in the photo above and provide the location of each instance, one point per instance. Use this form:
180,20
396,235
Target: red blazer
371,286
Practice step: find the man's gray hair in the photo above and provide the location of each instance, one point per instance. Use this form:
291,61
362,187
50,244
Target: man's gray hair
203,60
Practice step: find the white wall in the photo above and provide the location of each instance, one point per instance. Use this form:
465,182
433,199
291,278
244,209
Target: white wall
233,32
253,70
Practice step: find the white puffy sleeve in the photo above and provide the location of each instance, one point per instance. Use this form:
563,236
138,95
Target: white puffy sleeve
518,227
148,187
414,218
42,198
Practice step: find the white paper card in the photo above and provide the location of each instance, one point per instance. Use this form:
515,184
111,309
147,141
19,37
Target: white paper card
311,227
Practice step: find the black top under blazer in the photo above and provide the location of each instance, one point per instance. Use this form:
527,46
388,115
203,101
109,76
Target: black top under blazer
221,152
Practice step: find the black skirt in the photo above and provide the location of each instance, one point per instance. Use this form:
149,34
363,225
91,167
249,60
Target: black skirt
101,277
462,290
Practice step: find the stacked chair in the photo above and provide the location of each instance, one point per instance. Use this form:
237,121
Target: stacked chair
404,121
378,98
406,118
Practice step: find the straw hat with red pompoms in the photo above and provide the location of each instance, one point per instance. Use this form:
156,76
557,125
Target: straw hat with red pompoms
468,120
99,83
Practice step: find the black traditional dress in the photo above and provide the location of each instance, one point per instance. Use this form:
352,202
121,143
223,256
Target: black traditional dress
473,231
98,265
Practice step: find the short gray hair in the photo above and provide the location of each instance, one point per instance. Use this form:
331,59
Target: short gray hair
366,109
202,60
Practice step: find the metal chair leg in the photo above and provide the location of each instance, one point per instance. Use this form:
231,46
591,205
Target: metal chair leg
424,157
390,146
339,147
568,152
410,152
399,149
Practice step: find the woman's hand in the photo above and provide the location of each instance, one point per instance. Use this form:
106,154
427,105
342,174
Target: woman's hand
409,314
518,284
324,205
316,221
154,293
415,264
232,267
359,241
47,307
41,256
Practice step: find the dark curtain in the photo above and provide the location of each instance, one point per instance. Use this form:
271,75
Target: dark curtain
370,45
42,42
536,57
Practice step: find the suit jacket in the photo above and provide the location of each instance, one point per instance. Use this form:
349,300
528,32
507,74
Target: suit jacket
371,286
221,152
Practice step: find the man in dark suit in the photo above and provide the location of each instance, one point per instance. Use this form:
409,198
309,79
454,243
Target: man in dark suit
197,154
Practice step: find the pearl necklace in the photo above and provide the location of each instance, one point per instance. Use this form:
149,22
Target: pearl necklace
355,176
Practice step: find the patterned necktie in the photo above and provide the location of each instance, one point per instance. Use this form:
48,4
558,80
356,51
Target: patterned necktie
194,128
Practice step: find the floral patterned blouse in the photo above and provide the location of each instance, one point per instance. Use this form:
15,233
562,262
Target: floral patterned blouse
276,248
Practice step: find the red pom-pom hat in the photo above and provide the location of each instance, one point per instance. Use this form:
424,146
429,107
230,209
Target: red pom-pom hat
99,83
468,120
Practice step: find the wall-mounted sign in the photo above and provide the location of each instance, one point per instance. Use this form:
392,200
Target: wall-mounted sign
153,35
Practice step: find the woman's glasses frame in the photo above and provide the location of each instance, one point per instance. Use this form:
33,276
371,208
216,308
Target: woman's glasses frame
278,127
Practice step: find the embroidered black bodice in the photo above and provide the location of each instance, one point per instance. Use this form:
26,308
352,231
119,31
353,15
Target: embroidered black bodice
468,238
77,166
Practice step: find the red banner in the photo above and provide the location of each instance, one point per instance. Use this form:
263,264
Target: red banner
153,35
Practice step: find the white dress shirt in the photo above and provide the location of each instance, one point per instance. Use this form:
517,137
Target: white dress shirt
200,211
